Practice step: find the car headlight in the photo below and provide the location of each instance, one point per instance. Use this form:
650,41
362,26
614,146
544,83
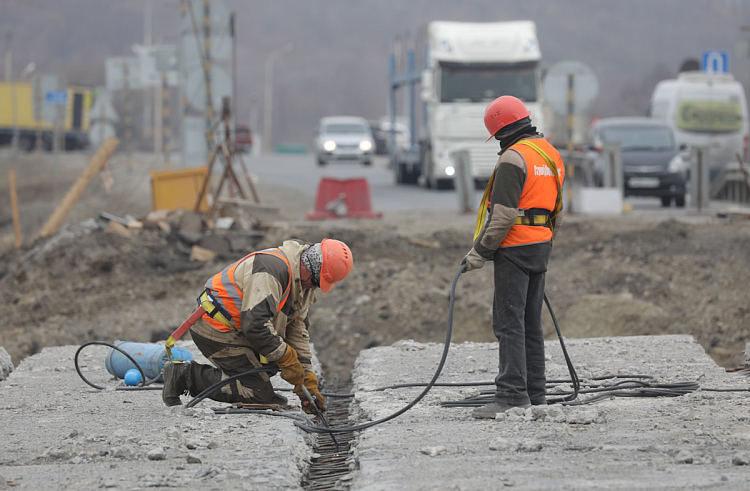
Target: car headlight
677,164
449,171
329,146
365,145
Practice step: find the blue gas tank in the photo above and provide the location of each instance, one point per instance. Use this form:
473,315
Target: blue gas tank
151,357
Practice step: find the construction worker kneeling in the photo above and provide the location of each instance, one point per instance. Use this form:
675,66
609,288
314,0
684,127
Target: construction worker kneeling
256,313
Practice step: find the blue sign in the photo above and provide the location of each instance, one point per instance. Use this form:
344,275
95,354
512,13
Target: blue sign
715,61
56,97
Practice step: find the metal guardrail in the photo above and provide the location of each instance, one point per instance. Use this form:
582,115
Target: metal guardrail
732,184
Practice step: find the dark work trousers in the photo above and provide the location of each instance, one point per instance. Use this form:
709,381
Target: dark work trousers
232,354
517,322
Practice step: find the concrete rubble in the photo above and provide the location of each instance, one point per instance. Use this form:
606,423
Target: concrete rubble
6,364
59,433
697,441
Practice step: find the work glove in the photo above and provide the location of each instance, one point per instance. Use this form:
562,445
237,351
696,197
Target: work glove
473,260
291,368
311,384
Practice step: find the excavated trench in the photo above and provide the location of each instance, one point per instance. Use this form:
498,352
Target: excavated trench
332,462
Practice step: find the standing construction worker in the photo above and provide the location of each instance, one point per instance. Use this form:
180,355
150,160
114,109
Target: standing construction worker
518,216
256,314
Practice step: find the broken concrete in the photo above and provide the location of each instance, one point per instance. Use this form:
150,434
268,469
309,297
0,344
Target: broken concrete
6,364
696,441
59,433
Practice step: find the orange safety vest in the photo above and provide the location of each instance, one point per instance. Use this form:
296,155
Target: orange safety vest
540,191
228,298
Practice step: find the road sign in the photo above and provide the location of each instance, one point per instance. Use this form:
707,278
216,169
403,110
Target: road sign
103,110
219,17
117,68
715,61
195,88
192,52
56,97
556,88
167,58
742,48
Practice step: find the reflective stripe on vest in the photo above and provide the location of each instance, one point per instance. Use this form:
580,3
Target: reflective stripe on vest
539,191
228,296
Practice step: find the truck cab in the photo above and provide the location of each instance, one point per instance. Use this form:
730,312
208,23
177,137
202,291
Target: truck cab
468,66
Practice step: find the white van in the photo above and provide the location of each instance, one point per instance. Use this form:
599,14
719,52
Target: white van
707,110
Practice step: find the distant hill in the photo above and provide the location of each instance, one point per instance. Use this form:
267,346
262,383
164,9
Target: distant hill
340,51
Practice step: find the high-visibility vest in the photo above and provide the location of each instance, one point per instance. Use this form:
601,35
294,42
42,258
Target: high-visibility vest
542,173
227,298
542,190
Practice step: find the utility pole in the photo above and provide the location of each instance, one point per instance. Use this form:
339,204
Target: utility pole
14,92
165,118
8,55
207,71
268,99
38,111
233,34
148,90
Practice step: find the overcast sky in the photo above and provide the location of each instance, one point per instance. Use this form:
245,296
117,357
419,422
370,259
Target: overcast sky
339,58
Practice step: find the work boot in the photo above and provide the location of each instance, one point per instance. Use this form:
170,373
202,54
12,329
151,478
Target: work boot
489,411
279,399
539,402
176,382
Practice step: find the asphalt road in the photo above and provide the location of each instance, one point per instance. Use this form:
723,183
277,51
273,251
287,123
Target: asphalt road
301,172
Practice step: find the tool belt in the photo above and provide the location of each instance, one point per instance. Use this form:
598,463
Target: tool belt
213,308
536,217
215,311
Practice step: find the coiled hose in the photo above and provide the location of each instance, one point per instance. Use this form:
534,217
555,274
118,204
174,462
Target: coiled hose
432,383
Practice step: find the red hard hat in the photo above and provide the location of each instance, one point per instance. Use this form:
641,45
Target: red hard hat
337,262
503,111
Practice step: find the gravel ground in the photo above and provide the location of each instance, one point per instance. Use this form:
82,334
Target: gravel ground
696,441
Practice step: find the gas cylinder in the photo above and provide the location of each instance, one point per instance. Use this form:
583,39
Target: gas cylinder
151,357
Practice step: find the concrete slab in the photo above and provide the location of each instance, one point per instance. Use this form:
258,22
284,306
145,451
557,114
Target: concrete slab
59,433
697,441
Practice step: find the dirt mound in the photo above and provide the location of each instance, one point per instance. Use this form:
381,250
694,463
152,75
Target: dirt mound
666,278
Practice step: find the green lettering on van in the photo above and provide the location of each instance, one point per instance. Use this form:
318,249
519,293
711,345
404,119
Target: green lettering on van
709,116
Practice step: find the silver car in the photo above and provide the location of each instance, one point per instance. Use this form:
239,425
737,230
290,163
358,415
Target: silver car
344,138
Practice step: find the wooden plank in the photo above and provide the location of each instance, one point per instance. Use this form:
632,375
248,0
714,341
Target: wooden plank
76,190
14,207
247,204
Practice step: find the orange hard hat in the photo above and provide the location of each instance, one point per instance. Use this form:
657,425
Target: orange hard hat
337,262
503,111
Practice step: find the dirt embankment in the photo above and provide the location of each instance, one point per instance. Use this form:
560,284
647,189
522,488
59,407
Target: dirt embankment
666,278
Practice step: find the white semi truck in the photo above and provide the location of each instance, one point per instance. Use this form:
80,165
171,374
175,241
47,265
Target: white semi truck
467,66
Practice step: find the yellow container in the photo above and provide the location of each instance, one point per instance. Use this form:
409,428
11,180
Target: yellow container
171,190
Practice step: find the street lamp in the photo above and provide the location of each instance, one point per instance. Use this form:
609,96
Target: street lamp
268,100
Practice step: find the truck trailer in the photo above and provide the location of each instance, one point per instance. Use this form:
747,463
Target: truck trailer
20,107
467,65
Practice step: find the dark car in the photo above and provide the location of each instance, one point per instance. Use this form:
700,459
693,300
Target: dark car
380,137
652,163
